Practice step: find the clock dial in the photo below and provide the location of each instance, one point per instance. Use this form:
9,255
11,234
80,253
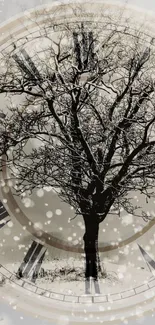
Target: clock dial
128,273
41,244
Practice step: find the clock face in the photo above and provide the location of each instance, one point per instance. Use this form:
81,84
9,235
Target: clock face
41,241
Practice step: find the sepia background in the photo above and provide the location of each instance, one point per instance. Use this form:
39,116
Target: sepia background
9,8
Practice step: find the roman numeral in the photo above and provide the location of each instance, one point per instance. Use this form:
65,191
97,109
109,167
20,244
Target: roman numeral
32,262
26,64
4,216
88,286
83,48
148,259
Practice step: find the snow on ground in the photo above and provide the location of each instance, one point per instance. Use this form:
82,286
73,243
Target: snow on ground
119,278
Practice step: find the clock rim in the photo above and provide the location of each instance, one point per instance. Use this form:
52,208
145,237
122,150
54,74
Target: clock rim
12,204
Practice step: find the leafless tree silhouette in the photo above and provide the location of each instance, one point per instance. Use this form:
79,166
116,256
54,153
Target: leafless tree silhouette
88,98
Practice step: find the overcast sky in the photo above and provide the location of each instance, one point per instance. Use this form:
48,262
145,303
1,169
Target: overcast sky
147,4
8,8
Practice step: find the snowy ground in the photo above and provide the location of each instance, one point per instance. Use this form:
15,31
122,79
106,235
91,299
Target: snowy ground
118,279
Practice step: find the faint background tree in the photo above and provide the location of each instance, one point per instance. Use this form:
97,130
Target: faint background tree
86,95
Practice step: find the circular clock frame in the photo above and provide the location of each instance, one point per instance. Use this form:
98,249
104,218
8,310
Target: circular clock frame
94,309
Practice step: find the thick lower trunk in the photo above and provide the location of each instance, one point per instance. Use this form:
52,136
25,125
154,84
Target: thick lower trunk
91,250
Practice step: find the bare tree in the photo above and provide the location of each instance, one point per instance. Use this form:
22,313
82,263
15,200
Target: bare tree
88,99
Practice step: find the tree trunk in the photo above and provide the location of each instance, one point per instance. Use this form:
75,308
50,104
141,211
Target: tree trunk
91,249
